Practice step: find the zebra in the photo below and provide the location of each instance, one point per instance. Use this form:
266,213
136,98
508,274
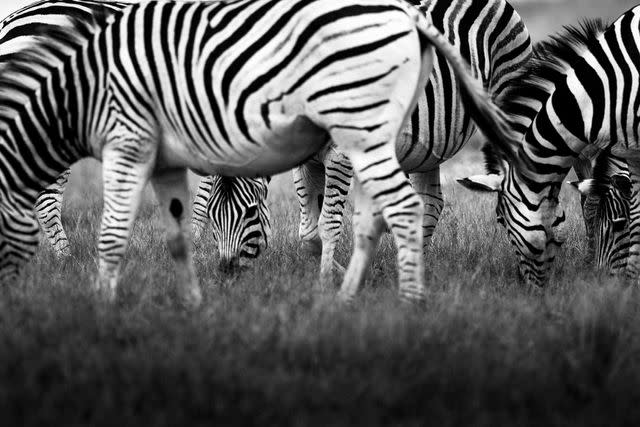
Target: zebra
494,39
605,192
579,94
233,248
237,88
239,216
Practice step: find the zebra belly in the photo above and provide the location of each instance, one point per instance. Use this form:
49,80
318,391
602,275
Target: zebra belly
284,147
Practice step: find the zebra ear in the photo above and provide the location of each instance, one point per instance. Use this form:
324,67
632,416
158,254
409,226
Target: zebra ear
584,187
484,183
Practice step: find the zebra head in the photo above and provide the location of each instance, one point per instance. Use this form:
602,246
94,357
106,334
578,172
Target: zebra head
536,229
240,218
605,206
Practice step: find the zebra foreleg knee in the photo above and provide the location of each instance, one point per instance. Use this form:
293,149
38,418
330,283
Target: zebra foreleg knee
171,188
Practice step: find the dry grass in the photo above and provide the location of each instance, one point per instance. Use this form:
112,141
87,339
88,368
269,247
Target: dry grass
271,347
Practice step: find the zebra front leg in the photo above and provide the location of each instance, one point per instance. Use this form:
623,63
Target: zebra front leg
18,239
309,181
172,191
200,217
126,167
48,209
338,174
378,171
428,187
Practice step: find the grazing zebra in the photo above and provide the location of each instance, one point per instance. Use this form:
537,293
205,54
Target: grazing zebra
239,216
233,247
239,88
605,198
488,34
579,93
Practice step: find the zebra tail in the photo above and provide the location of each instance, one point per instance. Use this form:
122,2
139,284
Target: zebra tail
491,120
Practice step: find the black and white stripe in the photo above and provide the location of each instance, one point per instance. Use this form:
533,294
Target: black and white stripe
492,37
578,95
239,88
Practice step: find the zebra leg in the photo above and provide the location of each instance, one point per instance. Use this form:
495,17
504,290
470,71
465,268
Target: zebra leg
48,211
338,174
199,218
18,239
172,191
126,168
388,189
368,225
427,185
309,179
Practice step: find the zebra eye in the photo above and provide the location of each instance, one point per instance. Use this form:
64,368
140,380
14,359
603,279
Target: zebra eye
252,211
501,221
619,224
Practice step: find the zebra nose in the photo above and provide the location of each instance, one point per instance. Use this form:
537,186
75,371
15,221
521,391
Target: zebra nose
229,265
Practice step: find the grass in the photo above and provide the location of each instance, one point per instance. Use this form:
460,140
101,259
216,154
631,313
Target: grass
270,347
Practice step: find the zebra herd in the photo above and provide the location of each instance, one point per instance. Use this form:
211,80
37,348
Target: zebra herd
362,91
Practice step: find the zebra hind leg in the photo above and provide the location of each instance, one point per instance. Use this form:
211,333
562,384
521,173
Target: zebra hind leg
383,182
48,209
338,174
308,180
126,168
428,187
172,191
368,225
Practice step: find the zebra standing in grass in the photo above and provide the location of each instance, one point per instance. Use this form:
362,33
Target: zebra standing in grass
492,37
234,87
580,93
605,198
238,237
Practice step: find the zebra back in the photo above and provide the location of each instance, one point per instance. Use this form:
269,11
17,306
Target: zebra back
492,38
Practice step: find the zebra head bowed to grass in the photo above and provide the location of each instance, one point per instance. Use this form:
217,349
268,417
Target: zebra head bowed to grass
239,215
605,199
242,88
493,38
580,91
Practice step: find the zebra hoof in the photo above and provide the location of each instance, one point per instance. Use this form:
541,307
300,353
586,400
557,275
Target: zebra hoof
415,298
191,299
105,291
312,247
63,253
346,300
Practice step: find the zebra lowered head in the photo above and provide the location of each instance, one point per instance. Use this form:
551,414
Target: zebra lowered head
605,206
535,230
562,107
239,215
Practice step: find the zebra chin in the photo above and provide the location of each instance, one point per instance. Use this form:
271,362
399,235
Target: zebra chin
238,261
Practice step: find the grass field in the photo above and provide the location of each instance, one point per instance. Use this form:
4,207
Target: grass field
270,347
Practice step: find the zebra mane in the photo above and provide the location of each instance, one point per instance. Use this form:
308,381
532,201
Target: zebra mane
550,61
492,160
